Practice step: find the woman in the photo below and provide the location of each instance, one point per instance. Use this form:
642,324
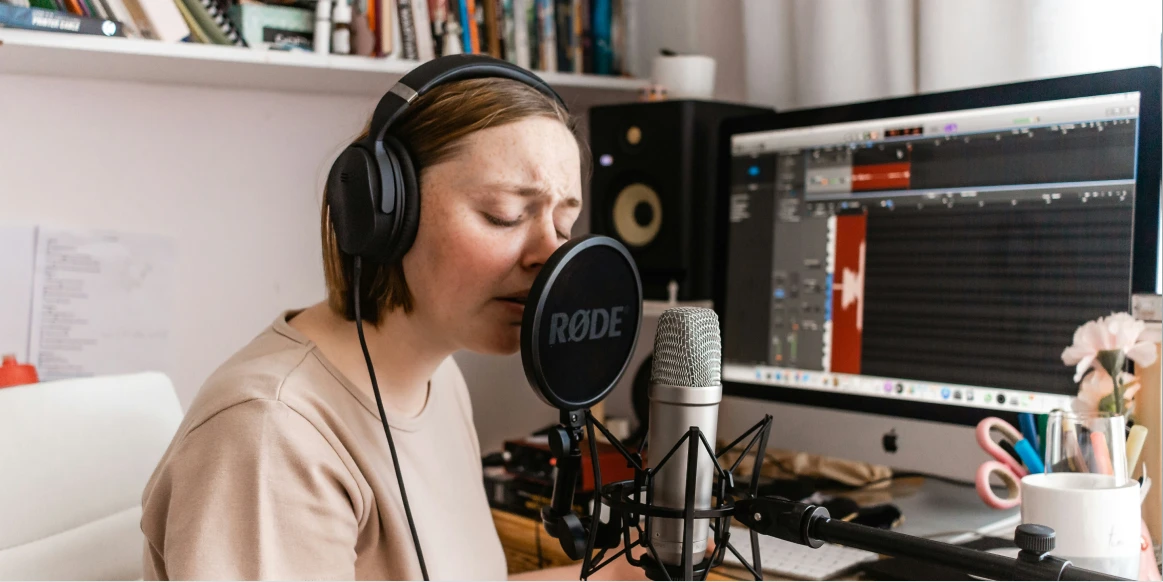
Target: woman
281,468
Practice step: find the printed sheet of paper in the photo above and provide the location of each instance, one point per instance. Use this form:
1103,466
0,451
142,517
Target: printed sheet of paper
17,249
101,303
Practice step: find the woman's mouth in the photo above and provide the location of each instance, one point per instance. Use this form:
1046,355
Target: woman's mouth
515,303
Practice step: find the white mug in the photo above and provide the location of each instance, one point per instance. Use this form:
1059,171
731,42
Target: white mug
1095,521
685,76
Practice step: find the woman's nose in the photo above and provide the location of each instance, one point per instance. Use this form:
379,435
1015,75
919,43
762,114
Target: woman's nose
543,242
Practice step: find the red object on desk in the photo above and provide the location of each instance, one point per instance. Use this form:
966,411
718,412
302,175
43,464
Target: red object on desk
16,374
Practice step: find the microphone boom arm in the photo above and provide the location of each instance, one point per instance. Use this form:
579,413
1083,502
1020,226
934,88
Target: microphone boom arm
559,518
810,525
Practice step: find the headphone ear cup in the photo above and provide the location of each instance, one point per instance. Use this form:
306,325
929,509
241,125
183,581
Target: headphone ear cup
353,199
408,202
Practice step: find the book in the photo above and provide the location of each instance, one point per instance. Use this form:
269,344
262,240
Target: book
603,54
619,59
473,27
465,26
165,20
508,31
197,35
120,13
563,29
425,51
51,20
547,39
579,30
273,26
214,22
492,28
533,28
408,41
521,32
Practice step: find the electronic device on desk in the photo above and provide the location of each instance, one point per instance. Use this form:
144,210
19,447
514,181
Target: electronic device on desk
905,268
524,484
577,335
653,188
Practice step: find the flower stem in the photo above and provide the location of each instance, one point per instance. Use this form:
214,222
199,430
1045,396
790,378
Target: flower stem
1113,362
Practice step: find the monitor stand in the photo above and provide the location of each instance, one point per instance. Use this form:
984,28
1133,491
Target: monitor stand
952,513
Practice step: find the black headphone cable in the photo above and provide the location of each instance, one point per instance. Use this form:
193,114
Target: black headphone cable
383,417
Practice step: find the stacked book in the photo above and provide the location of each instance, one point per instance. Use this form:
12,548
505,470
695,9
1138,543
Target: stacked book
574,36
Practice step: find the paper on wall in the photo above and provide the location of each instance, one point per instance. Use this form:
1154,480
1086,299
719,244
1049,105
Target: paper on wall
101,303
17,244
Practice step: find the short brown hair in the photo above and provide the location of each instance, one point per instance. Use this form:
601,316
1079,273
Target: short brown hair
433,129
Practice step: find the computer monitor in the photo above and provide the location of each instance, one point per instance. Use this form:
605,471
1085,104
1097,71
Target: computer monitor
894,271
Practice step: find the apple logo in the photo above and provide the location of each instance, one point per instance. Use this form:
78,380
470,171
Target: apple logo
888,441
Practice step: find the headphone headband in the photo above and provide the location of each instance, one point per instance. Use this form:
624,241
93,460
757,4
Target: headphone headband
443,70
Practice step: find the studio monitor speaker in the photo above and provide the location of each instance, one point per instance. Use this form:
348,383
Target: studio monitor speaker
654,188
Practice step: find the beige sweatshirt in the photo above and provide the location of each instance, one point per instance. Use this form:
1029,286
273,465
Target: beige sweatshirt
281,469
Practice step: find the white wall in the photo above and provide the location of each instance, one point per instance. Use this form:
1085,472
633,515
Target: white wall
987,42
709,27
236,178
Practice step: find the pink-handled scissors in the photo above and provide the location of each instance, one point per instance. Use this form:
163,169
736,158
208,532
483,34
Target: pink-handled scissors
1008,469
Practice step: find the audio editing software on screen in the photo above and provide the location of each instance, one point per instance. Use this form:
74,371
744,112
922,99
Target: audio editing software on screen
943,257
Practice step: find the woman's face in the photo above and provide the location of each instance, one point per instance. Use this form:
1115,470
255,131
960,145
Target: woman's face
490,217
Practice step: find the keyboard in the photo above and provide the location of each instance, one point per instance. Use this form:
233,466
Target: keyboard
788,560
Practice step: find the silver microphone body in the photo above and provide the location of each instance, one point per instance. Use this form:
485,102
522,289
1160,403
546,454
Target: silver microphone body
685,391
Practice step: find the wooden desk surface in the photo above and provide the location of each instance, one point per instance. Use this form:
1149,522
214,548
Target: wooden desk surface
529,547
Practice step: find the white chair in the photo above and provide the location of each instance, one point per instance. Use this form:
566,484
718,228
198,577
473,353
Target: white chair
74,459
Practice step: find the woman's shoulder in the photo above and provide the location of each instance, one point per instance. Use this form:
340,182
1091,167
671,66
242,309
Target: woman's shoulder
241,407
256,371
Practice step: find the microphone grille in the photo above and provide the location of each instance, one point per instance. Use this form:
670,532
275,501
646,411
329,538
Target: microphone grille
687,348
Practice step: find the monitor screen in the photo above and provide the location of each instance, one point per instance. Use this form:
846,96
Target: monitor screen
943,258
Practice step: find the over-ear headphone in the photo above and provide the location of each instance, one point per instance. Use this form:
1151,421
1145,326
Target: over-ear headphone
373,190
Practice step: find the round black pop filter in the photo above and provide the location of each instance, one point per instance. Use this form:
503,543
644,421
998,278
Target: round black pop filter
581,322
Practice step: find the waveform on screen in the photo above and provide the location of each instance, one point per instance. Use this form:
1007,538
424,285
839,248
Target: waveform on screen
852,289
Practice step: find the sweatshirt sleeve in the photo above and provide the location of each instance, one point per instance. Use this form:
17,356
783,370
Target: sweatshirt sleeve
254,493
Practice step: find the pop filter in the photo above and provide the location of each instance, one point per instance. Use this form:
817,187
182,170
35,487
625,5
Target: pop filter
581,322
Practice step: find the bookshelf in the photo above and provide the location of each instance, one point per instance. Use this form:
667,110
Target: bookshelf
24,52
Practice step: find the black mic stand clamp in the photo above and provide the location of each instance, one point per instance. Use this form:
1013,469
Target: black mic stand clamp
559,518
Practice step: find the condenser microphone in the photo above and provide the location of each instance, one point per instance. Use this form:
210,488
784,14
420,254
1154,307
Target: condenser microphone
685,391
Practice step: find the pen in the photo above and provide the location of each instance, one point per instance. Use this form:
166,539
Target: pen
1029,430
1135,440
1102,456
1042,420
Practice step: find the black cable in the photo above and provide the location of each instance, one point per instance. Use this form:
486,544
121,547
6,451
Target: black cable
384,417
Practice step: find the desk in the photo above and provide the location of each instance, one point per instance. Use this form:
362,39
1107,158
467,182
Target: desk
529,547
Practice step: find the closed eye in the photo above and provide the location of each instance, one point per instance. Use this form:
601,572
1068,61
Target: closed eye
495,221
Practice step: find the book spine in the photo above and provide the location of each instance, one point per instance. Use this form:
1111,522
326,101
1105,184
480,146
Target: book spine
40,19
473,26
603,56
563,20
438,15
587,37
521,32
407,30
509,31
425,50
218,14
493,27
548,40
465,26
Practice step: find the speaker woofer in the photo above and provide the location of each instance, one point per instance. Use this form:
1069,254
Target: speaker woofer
637,214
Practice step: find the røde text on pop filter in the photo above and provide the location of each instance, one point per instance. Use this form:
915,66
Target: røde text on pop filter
581,322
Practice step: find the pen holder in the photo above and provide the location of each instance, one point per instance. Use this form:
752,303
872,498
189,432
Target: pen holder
1087,442
1096,522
